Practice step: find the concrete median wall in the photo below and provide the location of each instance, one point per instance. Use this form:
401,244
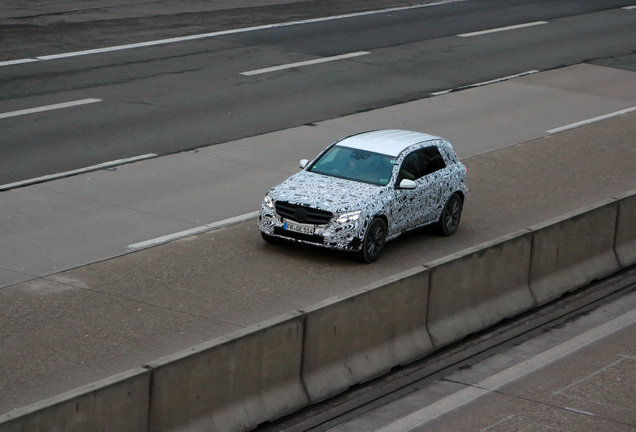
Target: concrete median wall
479,287
573,250
234,383
353,339
117,403
626,230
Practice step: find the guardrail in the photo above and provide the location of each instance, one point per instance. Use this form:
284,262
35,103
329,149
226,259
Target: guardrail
236,382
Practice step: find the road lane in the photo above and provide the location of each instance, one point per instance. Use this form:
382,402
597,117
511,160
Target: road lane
188,38
79,220
182,96
178,17
92,321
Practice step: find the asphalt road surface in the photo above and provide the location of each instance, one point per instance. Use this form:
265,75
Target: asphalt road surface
191,90
77,282
95,320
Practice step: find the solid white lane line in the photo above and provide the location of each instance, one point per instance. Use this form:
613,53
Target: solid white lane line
197,230
589,121
49,107
221,33
505,377
75,172
500,29
506,78
629,7
304,63
18,61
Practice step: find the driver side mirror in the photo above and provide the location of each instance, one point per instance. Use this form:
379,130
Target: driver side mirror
407,184
303,163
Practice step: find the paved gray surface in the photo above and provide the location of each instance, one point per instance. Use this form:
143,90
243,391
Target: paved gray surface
181,95
42,24
575,377
67,223
46,11
95,320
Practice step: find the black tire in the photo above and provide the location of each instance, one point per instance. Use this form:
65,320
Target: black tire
271,239
373,242
451,215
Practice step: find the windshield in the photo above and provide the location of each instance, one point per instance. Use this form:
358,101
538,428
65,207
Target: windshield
355,164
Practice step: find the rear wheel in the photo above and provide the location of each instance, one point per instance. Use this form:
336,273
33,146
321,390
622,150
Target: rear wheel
451,215
373,242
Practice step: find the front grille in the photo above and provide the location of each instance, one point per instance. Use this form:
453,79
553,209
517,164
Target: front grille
299,236
303,214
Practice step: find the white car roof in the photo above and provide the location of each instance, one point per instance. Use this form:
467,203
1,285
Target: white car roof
390,142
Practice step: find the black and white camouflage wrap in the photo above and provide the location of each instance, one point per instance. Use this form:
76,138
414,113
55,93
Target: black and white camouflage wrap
403,209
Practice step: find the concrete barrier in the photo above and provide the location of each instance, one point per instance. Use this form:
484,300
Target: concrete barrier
573,250
349,340
232,383
115,404
625,245
479,287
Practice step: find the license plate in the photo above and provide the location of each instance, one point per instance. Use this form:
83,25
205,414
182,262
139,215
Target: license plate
299,228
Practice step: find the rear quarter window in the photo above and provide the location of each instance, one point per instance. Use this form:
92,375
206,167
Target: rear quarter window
448,153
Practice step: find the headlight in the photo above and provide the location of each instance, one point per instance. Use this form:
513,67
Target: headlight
349,217
268,202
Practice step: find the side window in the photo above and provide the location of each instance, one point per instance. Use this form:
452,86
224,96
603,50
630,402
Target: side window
421,162
431,160
410,168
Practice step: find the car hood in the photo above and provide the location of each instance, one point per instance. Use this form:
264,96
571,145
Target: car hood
327,193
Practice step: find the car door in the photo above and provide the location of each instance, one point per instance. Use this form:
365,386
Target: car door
437,180
414,207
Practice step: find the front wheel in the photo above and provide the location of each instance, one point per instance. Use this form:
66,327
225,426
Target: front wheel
373,242
452,213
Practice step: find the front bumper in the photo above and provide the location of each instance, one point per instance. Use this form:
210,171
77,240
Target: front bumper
333,235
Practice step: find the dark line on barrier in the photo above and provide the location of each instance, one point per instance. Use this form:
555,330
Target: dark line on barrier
534,297
151,387
303,321
428,306
616,226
